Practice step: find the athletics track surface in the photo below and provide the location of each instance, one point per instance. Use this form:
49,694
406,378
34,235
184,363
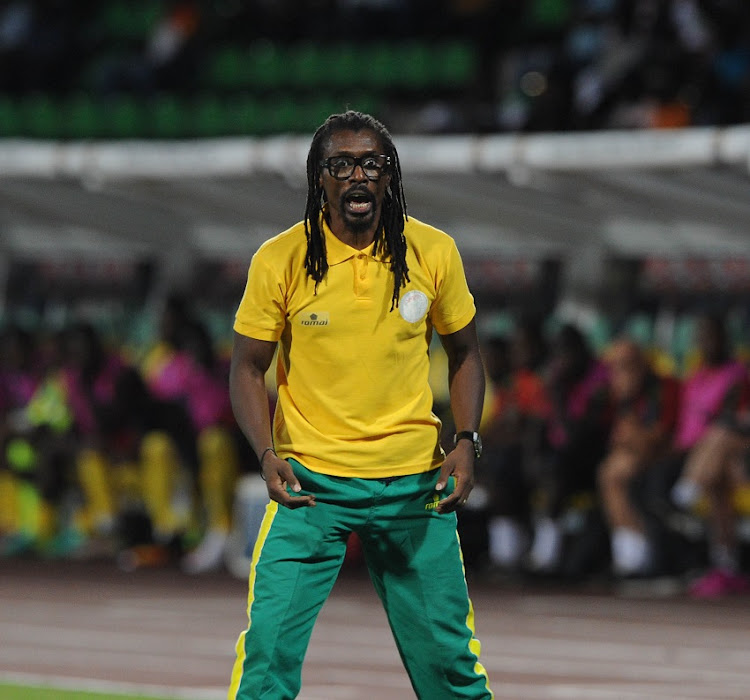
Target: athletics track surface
90,626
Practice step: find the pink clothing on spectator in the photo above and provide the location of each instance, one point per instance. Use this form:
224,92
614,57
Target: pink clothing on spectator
172,378
102,392
205,395
577,402
16,389
703,395
208,400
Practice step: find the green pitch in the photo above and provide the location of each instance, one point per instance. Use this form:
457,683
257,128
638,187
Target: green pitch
17,692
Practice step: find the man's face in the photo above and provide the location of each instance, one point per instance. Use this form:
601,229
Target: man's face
627,370
355,203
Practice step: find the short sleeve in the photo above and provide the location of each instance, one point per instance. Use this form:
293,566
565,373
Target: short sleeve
262,313
453,307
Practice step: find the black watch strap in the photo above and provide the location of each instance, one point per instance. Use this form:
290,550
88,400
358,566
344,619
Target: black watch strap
470,435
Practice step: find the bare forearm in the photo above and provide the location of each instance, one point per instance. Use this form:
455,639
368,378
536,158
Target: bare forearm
465,377
250,405
467,391
247,388
466,383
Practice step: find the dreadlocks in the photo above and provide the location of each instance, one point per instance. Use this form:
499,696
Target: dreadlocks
389,237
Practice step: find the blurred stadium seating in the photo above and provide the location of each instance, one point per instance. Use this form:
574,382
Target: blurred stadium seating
195,68
616,227
148,152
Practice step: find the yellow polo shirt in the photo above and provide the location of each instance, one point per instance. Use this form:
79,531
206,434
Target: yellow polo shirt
353,392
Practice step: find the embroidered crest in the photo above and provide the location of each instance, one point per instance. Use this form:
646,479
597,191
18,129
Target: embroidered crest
413,306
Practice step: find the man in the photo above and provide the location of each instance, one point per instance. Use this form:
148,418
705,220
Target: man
576,438
350,297
513,428
645,407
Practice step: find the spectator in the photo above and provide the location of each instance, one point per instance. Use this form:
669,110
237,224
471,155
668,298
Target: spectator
126,452
715,470
217,434
19,378
42,449
512,430
174,318
712,395
577,436
90,378
195,379
645,409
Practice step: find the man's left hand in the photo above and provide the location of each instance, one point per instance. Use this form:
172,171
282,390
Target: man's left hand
460,464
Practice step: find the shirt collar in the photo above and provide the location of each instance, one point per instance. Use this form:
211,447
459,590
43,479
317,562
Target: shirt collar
337,251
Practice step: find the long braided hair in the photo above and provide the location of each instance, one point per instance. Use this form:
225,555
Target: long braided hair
389,237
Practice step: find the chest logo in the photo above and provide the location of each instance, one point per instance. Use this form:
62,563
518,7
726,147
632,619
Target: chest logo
413,306
314,318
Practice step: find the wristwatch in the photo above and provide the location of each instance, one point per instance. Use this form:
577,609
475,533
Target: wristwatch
475,439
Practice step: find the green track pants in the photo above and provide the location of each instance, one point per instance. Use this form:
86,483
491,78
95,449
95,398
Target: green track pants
414,559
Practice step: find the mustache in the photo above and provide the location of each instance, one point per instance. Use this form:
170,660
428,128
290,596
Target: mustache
360,190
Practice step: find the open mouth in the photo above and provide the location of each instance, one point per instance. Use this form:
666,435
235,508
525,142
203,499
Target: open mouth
359,203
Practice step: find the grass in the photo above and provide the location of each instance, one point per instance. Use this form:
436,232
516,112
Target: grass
18,692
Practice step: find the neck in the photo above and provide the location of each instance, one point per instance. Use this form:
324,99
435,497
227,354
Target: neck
357,239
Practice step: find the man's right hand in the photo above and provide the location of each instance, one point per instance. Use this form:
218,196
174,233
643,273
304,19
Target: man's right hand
279,475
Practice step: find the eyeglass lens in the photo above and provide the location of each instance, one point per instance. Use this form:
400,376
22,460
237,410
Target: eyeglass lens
342,167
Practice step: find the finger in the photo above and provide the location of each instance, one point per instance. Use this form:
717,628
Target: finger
281,481
445,472
457,499
282,496
286,474
450,504
299,501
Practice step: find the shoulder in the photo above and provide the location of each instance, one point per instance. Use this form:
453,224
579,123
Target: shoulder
420,234
428,244
284,245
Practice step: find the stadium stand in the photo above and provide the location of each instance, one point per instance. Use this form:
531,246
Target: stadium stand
490,66
113,190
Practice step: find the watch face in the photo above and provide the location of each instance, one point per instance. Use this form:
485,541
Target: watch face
477,445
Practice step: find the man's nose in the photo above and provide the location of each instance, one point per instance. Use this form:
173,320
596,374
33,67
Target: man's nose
358,173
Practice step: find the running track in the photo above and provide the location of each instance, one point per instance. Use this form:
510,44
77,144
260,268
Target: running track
90,626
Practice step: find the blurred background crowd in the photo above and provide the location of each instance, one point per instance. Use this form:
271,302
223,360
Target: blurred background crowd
117,450
617,445
81,69
605,456
619,460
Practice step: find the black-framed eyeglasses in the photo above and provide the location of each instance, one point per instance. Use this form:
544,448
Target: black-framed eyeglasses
342,167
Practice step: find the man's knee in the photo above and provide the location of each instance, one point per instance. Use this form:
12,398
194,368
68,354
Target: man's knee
617,471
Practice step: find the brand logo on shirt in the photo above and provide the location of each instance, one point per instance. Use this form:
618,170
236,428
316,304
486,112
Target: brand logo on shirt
314,318
413,306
